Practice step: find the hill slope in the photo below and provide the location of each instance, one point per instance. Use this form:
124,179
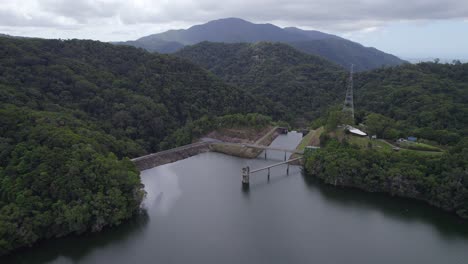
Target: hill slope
234,30
429,100
131,93
70,114
302,83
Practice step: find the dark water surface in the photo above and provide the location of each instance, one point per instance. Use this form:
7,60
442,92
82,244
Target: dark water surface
197,212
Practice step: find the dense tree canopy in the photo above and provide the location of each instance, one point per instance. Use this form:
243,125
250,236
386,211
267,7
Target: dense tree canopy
303,84
194,130
71,112
427,100
440,180
58,176
128,92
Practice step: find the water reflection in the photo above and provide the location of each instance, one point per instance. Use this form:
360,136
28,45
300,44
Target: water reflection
448,225
163,191
199,213
73,249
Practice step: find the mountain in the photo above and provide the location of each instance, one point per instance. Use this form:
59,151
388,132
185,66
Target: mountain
71,112
132,93
235,30
345,53
304,85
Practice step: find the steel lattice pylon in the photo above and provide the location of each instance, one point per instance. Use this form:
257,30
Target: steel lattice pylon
348,107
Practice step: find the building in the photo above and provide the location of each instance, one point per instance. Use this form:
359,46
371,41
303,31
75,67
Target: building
356,131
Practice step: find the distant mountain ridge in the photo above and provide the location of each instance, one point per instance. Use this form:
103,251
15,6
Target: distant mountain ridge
234,30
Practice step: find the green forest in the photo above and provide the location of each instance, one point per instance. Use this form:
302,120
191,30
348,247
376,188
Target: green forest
439,180
427,101
72,113
303,85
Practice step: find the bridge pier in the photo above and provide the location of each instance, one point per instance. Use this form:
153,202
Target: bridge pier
246,171
246,177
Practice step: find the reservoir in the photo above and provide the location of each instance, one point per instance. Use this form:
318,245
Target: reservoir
197,212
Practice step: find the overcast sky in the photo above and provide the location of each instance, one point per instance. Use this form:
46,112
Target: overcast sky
407,28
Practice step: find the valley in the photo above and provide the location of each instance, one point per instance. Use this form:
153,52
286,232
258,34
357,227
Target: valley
114,148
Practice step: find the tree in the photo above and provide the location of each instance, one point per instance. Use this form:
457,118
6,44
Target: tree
334,119
379,125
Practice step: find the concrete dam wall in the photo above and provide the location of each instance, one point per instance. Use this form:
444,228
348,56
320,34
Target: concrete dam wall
183,152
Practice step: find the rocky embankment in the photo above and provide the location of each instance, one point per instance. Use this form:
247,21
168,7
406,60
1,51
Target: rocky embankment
169,156
213,142
243,152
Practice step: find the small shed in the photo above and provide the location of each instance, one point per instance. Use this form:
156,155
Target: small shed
283,130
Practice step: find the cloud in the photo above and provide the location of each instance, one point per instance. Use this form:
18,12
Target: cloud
343,14
81,11
327,15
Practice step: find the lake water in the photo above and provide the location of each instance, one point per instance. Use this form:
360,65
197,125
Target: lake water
197,212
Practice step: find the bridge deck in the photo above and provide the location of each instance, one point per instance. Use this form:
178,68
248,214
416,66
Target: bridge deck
274,165
184,147
262,147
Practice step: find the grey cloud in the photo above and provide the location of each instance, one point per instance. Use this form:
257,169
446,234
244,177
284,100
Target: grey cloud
81,10
13,19
340,15
335,15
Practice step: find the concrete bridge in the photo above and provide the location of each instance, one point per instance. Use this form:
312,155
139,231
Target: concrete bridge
264,148
246,172
208,144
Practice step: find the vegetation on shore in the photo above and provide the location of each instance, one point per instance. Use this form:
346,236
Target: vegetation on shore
427,101
72,113
194,130
59,176
440,180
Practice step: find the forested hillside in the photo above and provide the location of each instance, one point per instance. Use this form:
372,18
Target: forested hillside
303,84
428,101
70,114
129,93
59,175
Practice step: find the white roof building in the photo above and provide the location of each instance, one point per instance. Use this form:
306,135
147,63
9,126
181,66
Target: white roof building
356,131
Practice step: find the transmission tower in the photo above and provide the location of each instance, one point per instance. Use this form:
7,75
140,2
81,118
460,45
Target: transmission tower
348,107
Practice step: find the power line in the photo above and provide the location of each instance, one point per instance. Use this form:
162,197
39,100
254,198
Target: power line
348,106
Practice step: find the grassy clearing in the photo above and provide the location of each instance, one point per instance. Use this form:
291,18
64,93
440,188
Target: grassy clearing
383,145
419,146
305,141
365,142
311,139
426,153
